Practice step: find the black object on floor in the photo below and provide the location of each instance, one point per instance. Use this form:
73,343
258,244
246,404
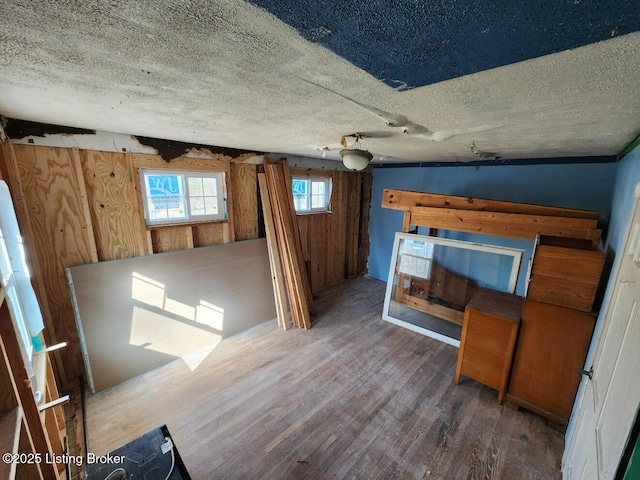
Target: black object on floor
149,457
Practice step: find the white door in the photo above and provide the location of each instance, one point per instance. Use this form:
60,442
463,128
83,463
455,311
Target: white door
609,401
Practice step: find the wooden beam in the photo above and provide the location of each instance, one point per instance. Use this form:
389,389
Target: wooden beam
404,200
277,276
295,275
510,218
288,200
494,223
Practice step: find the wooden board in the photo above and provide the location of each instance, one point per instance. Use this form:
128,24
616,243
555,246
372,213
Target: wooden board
404,200
59,235
209,234
114,204
275,261
495,223
242,180
139,313
169,239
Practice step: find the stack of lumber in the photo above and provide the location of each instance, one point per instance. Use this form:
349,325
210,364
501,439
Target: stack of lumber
291,286
491,217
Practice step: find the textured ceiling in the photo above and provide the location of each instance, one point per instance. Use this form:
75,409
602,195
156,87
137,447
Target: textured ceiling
293,77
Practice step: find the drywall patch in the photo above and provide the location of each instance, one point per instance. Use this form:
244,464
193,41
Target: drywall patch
169,149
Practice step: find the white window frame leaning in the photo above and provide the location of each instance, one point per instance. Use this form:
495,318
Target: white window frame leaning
326,206
183,196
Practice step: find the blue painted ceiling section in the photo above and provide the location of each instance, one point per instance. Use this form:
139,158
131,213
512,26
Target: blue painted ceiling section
411,43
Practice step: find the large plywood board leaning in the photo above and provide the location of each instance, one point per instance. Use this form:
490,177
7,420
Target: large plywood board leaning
139,313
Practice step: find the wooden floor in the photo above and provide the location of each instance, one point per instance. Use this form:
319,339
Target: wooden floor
354,397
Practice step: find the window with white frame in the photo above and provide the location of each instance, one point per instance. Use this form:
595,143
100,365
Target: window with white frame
311,194
171,196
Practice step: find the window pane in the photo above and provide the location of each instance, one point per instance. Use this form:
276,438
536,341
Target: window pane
166,207
197,205
165,196
195,187
210,187
318,188
299,187
211,205
318,201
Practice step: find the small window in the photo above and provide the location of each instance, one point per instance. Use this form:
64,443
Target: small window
311,194
183,197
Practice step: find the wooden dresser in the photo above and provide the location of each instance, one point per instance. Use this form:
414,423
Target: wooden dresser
489,332
556,328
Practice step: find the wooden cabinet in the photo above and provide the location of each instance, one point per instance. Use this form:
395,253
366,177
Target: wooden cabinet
556,328
488,338
565,272
552,346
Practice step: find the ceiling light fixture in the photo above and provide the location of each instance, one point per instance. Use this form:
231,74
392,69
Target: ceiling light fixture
355,159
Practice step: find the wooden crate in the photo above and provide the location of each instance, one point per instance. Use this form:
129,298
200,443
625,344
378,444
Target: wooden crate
488,338
565,272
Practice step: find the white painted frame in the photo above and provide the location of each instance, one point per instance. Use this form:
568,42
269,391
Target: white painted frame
221,197
515,253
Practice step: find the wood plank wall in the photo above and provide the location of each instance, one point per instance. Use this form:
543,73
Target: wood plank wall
82,206
336,244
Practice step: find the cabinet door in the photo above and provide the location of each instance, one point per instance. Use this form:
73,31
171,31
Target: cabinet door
552,346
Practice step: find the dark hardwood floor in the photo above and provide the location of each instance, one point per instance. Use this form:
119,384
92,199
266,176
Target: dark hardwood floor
353,397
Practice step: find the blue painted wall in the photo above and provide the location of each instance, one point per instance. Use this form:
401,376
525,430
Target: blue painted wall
584,186
410,43
627,175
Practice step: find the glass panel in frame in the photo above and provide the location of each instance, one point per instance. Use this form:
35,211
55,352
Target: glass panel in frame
432,279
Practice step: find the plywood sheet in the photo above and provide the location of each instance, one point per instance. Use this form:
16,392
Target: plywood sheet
114,204
137,314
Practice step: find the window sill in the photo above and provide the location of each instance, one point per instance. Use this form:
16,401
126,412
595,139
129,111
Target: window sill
323,212
184,224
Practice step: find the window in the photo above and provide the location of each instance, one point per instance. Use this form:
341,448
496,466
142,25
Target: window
16,281
183,197
311,194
